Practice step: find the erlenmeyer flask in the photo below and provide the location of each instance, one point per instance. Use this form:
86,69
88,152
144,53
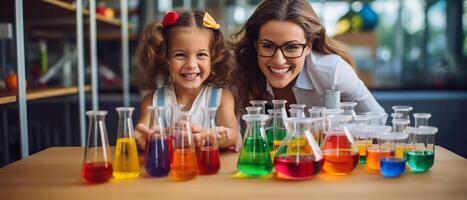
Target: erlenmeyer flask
126,162
348,108
279,127
253,110
339,148
208,153
174,109
157,161
300,109
318,112
298,156
259,103
97,164
254,158
184,164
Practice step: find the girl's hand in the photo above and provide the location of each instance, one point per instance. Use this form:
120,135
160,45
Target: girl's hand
141,134
223,134
199,135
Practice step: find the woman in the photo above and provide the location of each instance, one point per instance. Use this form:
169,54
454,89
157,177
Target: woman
283,53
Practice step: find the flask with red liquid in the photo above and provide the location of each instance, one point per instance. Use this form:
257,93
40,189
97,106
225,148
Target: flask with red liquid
97,165
208,153
299,155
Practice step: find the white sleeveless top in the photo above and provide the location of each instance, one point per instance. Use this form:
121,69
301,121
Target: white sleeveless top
209,96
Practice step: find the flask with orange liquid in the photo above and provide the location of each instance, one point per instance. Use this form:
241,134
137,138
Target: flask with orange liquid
184,163
339,149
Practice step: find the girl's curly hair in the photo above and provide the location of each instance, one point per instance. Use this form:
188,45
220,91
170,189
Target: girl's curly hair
151,54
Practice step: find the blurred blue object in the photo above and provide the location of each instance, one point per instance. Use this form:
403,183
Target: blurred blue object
369,17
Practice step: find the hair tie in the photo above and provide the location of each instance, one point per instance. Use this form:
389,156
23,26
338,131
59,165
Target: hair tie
170,18
209,22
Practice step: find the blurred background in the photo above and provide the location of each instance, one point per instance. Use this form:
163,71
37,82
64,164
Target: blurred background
407,52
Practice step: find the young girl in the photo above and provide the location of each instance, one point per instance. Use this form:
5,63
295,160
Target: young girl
187,54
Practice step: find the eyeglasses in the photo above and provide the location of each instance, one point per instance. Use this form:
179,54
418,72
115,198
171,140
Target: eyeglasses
289,50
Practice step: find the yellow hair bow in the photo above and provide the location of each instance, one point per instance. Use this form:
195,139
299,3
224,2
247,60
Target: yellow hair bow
209,22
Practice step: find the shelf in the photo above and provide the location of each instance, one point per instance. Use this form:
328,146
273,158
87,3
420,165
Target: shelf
54,14
42,93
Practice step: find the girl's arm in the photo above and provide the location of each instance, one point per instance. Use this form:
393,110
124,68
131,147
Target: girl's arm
142,130
226,117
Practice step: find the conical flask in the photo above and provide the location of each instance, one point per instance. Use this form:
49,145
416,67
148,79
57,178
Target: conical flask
348,108
299,155
174,109
126,162
157,161
255,159
259,103
208,153
97,164
339,148
253,110
278,131
318,112
184,165
299,110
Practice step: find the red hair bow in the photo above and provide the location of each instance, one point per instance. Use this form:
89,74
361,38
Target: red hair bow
170,18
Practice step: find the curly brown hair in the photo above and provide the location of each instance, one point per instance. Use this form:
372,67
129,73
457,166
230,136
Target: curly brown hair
252,82
151,54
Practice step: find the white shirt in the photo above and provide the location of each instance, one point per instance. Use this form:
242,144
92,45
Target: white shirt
203,100
322,72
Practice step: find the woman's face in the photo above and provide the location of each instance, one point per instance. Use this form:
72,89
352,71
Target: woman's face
278,69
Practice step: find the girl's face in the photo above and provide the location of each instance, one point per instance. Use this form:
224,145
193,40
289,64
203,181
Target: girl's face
280,69
189,57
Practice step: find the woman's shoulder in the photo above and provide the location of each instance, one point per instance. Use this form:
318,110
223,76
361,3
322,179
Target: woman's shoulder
326,63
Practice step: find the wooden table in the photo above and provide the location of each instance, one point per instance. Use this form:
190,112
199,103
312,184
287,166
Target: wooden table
55,174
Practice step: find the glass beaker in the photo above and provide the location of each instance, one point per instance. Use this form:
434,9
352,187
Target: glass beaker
259,103
339,148
382,148
377,118
208,153
421,119
97,164
253,110
126,161
392,166
255,158
348,108
405,110
359,130
421,154
299,155
157,162
184,164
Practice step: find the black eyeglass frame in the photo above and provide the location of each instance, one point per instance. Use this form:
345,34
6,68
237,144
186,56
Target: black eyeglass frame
304,45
